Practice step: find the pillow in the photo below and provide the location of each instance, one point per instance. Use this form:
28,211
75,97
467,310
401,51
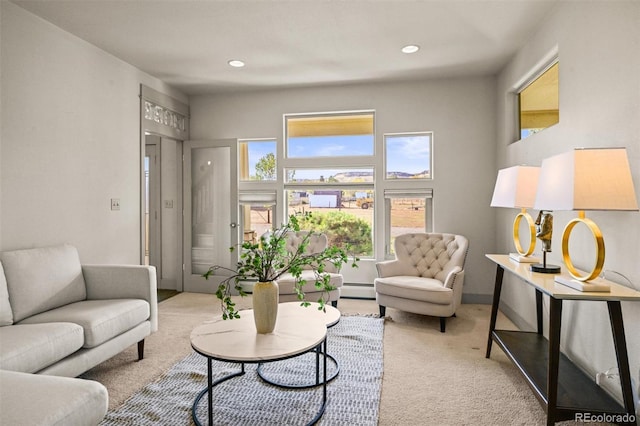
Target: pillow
42,279
6,315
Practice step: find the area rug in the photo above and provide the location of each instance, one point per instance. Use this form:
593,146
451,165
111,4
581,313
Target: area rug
353,396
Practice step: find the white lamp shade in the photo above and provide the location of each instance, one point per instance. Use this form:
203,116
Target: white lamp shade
586,179
516,187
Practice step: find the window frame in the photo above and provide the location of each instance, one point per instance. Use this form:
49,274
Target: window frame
378,187
389,194
240,155
333,158
407,134
539,71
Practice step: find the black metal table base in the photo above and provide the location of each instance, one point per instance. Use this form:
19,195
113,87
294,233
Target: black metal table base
211,384
318,381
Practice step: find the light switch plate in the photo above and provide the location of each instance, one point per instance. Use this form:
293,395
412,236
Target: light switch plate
115,204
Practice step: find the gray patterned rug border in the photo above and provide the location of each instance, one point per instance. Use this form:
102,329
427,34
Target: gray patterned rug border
353,397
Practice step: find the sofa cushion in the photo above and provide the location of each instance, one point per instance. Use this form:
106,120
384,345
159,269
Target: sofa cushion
6,314
101,320
287,282
34,399
31,347
43,278
415,288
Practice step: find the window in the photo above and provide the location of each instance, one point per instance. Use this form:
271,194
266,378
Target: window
257,214
407,211
329,135
257,160
408,156
329,164
538,103
332,166
344,215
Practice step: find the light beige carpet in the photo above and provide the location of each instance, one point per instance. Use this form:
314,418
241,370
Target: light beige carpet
430,378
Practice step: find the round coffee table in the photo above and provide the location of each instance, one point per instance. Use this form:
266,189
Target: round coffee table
237,341
294,311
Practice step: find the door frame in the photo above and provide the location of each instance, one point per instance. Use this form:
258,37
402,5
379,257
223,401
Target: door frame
164,116
154,237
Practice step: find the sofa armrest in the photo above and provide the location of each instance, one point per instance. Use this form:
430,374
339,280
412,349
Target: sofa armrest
123,282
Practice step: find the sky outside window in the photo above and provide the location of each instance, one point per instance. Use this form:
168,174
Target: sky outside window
408,156
330,146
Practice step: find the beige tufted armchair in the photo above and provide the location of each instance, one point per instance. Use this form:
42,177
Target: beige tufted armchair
426,277
286,283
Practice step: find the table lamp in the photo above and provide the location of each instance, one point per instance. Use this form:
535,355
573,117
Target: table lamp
516,188
586,179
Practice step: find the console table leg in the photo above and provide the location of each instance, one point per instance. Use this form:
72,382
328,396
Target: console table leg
620,344
539,310
494,307
555,322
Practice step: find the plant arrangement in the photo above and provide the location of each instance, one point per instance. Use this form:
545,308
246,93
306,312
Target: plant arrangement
268,259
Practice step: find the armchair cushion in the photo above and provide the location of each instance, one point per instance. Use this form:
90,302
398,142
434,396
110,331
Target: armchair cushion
414,288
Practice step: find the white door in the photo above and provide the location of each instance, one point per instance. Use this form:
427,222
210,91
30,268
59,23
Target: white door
210,211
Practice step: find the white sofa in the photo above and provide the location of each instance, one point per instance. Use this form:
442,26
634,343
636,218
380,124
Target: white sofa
61,318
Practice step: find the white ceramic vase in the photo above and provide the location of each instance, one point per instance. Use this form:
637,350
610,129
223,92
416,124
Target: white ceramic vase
265,306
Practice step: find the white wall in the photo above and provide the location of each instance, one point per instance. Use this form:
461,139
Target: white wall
598,44
70,142
460,112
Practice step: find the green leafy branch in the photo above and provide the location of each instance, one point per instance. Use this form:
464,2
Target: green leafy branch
268,259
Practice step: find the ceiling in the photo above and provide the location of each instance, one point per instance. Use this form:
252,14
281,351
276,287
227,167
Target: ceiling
293,43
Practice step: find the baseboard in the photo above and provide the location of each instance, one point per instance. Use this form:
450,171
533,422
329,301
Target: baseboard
515,318
358,291
477,299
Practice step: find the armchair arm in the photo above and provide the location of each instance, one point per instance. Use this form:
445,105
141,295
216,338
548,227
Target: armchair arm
123,282
455,274
392,268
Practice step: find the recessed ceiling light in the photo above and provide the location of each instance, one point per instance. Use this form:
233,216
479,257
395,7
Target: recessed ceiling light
236,63
412,48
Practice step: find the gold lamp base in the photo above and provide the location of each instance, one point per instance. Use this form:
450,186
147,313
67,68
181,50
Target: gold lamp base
590,281
524,254
599,240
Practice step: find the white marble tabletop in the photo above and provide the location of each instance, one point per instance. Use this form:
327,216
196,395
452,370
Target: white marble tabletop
330,316
297,331
546,283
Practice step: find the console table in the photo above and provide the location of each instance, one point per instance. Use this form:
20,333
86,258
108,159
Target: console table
561,387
